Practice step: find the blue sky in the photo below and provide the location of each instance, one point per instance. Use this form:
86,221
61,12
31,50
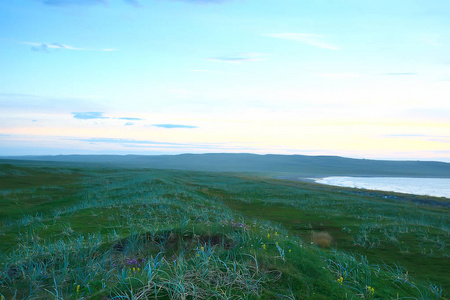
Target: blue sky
352,78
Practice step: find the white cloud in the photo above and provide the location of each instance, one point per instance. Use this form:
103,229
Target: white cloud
213,72
341,75
431,39
44,47
307,38
237,58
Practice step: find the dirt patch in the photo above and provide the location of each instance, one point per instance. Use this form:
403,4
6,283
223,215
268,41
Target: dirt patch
322,239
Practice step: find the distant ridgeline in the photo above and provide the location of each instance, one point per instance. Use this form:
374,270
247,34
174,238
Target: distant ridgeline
295,165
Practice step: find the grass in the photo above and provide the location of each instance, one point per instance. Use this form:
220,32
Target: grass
89,233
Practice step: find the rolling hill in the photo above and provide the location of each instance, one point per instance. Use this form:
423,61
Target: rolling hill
277,165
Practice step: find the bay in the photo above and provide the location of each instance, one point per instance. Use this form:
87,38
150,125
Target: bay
437,187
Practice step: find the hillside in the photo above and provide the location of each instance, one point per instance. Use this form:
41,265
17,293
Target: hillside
295,165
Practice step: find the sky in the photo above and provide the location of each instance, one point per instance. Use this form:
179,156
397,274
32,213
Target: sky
363,79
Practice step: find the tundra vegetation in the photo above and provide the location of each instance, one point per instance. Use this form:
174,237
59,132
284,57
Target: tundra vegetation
83,232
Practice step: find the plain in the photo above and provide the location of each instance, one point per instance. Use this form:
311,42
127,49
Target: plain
89,232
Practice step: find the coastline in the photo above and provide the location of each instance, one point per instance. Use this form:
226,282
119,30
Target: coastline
397,194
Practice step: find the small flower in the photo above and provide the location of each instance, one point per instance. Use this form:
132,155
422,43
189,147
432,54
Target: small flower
264,246
78,290
202,248
290,250
268,235
340,280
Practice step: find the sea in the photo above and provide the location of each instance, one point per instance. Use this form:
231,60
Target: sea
437,187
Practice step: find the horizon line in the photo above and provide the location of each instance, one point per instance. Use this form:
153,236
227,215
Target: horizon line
229,153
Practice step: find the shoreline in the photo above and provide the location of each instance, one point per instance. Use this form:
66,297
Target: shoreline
391,192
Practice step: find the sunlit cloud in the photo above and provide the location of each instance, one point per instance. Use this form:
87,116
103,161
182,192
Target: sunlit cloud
149,144
400,74
171,126
315,40
123,141
88,115
435,114
440,140
432,138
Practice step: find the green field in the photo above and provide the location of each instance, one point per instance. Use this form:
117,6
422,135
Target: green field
92,232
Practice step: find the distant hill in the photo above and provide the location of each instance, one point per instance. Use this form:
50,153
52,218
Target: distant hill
276,165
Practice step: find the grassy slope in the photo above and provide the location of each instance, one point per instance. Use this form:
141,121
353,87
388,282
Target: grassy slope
80,232
27,190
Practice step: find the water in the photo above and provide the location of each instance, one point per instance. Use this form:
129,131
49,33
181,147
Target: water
437,187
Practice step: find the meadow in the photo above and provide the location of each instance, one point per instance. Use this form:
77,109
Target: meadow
90,232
